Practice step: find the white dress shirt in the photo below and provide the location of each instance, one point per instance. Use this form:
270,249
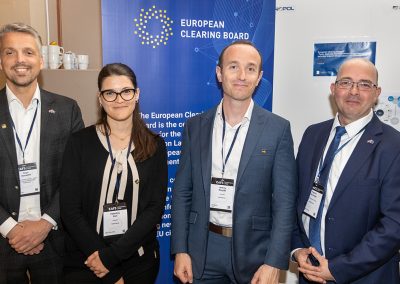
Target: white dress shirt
231,168
353,134
29,208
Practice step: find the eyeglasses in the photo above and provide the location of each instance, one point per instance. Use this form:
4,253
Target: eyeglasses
347,84
112,95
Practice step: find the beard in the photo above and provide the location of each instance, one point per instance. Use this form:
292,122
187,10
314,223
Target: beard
22,81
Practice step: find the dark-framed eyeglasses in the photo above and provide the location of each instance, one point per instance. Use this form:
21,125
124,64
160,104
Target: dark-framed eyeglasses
111,95
348,84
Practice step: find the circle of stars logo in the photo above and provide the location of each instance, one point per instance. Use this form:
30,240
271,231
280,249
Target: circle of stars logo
150,17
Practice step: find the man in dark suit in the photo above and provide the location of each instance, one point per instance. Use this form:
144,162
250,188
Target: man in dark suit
349,188
233,205
34,128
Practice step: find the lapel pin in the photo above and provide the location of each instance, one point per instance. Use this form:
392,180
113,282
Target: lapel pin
4,126
263,151
52,111
370,141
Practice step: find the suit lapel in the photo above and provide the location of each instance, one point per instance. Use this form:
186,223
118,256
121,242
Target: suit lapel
357,159
47,123
6,132
206,132
257,124
317,151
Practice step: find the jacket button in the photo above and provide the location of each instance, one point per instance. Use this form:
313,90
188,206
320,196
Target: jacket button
16,187
14,213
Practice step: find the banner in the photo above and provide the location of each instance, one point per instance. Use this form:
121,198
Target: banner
173,47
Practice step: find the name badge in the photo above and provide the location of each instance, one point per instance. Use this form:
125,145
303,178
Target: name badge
29,179
222,193
115,219
314,200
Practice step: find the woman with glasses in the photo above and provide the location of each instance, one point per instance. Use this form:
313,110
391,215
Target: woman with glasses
113,189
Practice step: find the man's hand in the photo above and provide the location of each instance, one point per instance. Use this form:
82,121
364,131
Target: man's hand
35,250
28,235
319,274
96,265
266,275
183,268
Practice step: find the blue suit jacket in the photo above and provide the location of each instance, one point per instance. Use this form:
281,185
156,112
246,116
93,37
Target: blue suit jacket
264,202
362,231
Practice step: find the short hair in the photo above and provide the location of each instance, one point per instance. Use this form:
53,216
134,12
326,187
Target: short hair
245,42
21,28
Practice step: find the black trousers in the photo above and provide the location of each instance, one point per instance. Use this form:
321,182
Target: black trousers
43,268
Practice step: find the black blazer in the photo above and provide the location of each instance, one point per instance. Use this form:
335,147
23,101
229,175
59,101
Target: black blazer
60,116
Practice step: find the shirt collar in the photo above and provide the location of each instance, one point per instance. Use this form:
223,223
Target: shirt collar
247,115
13,98
355,127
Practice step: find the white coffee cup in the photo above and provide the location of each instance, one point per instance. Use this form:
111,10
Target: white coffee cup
55,49
68,61
45,55
83,61
54,61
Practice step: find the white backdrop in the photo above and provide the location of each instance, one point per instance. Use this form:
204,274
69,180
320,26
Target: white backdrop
304,99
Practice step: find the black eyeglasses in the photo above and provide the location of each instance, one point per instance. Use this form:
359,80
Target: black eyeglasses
112,95
348,84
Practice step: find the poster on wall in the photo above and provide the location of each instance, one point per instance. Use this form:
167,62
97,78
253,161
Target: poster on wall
329,56
388,109
173,47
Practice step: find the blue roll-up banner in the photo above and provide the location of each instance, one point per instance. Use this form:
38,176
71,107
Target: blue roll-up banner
173,47
329,56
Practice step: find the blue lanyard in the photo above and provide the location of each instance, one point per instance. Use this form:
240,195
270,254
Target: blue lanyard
323,163
29,134
223,137
118,181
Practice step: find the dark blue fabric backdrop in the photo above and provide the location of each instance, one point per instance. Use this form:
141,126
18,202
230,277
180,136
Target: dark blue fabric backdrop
173,47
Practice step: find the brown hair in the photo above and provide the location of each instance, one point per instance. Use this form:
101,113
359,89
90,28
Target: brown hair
143,139
245,42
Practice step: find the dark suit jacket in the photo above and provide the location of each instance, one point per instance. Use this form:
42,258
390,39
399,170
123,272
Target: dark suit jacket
362,231
56,126
264,202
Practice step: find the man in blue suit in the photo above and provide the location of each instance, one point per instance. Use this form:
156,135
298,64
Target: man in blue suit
349,199
234,195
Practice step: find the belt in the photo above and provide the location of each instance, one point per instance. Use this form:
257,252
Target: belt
225,231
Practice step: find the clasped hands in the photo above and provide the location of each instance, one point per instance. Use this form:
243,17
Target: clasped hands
27,237
319,274
96,265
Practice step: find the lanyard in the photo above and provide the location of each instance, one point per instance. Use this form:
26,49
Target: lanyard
224,161
323,163
29,134
113,164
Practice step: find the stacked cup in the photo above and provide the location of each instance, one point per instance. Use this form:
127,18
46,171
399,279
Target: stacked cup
83,61
55,56
68,60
